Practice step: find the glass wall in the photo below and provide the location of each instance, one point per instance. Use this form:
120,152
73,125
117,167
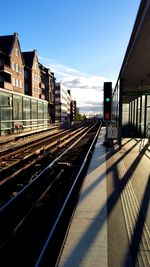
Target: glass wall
139,118
19,113
135,117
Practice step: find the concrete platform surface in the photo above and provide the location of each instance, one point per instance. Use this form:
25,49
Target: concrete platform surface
110,226
86,244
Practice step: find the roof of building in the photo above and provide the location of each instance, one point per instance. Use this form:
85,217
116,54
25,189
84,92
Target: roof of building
135,71
6,43
28,58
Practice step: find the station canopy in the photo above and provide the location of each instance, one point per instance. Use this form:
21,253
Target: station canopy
135,70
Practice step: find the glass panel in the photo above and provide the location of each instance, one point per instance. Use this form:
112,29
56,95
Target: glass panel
45,113
139,102
135,114
139,116
148,117
26,111
34,112
148,101
40,112
17,112
125,117
143,114
6,113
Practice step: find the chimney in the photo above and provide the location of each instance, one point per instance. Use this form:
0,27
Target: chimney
16,34
35,51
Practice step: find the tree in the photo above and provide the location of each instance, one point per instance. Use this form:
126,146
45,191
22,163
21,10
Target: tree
79,117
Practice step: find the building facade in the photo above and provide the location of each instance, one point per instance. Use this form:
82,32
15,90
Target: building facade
47,87
22,74
11,64
73,110
62,104
32,76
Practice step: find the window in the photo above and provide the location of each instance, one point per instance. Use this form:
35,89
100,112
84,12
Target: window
26,88
17,83
1,61
13,81
25,74
12,65
20,84
17,68
17,52
20,69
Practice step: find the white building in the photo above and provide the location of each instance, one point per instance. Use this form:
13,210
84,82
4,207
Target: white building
62,103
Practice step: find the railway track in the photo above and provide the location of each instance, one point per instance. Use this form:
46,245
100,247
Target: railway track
13,157
22,140
18,139
28,167
26,218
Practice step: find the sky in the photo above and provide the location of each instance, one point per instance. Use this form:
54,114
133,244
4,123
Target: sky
82,41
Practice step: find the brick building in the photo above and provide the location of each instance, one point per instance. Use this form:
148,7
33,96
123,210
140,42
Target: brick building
21,73
32,77
47,85
11,64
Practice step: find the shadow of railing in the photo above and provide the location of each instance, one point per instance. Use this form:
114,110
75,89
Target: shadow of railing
111,202
110,169
138,230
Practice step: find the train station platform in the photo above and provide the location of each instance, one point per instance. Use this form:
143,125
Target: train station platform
110,226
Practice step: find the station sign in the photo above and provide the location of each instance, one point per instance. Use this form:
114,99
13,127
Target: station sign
112,132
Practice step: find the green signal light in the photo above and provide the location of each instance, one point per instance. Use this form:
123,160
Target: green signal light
107,99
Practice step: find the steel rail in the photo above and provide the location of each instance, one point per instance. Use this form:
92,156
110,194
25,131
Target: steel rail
18,207
28,138
35,140
55,145
21,192
43,251
32,145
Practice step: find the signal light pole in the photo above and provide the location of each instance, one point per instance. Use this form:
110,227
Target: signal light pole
107,102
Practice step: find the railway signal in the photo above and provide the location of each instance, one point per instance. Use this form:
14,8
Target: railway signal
107,100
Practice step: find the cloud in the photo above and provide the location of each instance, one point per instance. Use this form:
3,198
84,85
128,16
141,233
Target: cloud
61,71
86,89
82,82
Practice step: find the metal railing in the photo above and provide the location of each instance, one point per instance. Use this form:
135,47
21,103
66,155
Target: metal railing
20,125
